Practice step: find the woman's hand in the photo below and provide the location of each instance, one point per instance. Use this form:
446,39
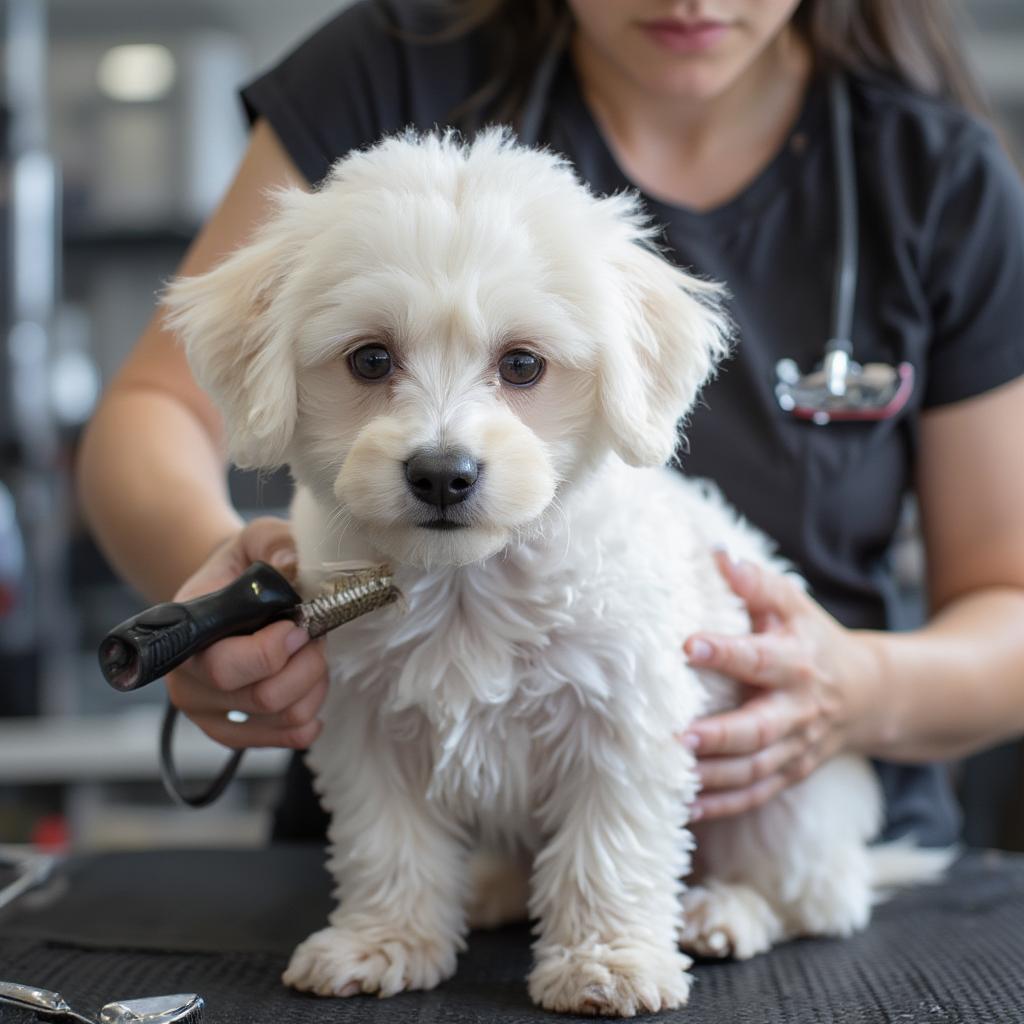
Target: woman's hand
275,676
810,680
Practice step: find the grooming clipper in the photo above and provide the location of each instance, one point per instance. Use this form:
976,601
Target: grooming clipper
151,644
159,639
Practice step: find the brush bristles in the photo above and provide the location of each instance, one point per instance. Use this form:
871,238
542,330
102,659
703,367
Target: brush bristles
354,594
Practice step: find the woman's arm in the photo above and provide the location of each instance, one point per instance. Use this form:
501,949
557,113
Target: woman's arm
151,470
943,691
151,479
957,685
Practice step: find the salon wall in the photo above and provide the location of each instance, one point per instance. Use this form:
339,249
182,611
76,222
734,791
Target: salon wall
76,759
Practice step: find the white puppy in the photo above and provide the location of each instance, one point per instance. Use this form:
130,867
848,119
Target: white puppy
475,370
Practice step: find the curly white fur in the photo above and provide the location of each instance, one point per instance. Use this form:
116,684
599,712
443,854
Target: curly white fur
527,697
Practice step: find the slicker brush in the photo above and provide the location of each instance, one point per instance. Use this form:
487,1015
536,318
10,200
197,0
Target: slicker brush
151,644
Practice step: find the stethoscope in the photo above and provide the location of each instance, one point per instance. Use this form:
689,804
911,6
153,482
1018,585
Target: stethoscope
839,388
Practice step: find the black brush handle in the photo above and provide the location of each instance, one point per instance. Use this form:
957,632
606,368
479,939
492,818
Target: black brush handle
159,639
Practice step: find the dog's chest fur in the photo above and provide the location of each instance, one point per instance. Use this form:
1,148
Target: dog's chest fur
484,671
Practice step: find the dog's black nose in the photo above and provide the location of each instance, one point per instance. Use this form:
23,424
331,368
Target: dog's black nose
442,478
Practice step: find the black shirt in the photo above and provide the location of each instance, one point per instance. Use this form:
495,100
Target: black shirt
941,285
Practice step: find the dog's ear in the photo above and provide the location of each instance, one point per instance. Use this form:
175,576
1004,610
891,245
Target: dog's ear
238,336
673,334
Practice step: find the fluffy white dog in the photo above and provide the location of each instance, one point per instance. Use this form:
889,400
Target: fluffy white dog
475,369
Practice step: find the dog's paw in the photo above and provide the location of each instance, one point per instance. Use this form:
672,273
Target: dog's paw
342,962
722,920
616,979
499,890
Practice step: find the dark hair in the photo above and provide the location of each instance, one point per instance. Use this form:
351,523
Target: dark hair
912,41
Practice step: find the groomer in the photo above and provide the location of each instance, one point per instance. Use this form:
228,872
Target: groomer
720,113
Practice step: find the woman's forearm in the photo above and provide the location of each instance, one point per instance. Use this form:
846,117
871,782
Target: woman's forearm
153,489
951,688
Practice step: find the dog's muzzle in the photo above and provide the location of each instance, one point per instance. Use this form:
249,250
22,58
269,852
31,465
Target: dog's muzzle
442,480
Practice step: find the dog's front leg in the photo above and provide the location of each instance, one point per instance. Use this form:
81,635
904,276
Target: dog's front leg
606,889
399,865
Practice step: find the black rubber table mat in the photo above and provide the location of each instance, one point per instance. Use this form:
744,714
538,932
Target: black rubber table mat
222,924
187,901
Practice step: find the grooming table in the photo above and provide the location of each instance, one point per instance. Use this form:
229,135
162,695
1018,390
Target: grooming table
222,923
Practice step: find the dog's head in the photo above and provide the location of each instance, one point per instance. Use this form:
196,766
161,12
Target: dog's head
445,336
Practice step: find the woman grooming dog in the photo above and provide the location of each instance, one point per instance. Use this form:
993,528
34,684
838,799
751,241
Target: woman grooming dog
716,112
475,370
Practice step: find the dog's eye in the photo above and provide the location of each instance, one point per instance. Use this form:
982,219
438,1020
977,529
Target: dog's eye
371,362
520,368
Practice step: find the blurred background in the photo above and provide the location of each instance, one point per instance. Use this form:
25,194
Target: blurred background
120,127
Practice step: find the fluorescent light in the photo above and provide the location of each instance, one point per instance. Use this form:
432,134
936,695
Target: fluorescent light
136,73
